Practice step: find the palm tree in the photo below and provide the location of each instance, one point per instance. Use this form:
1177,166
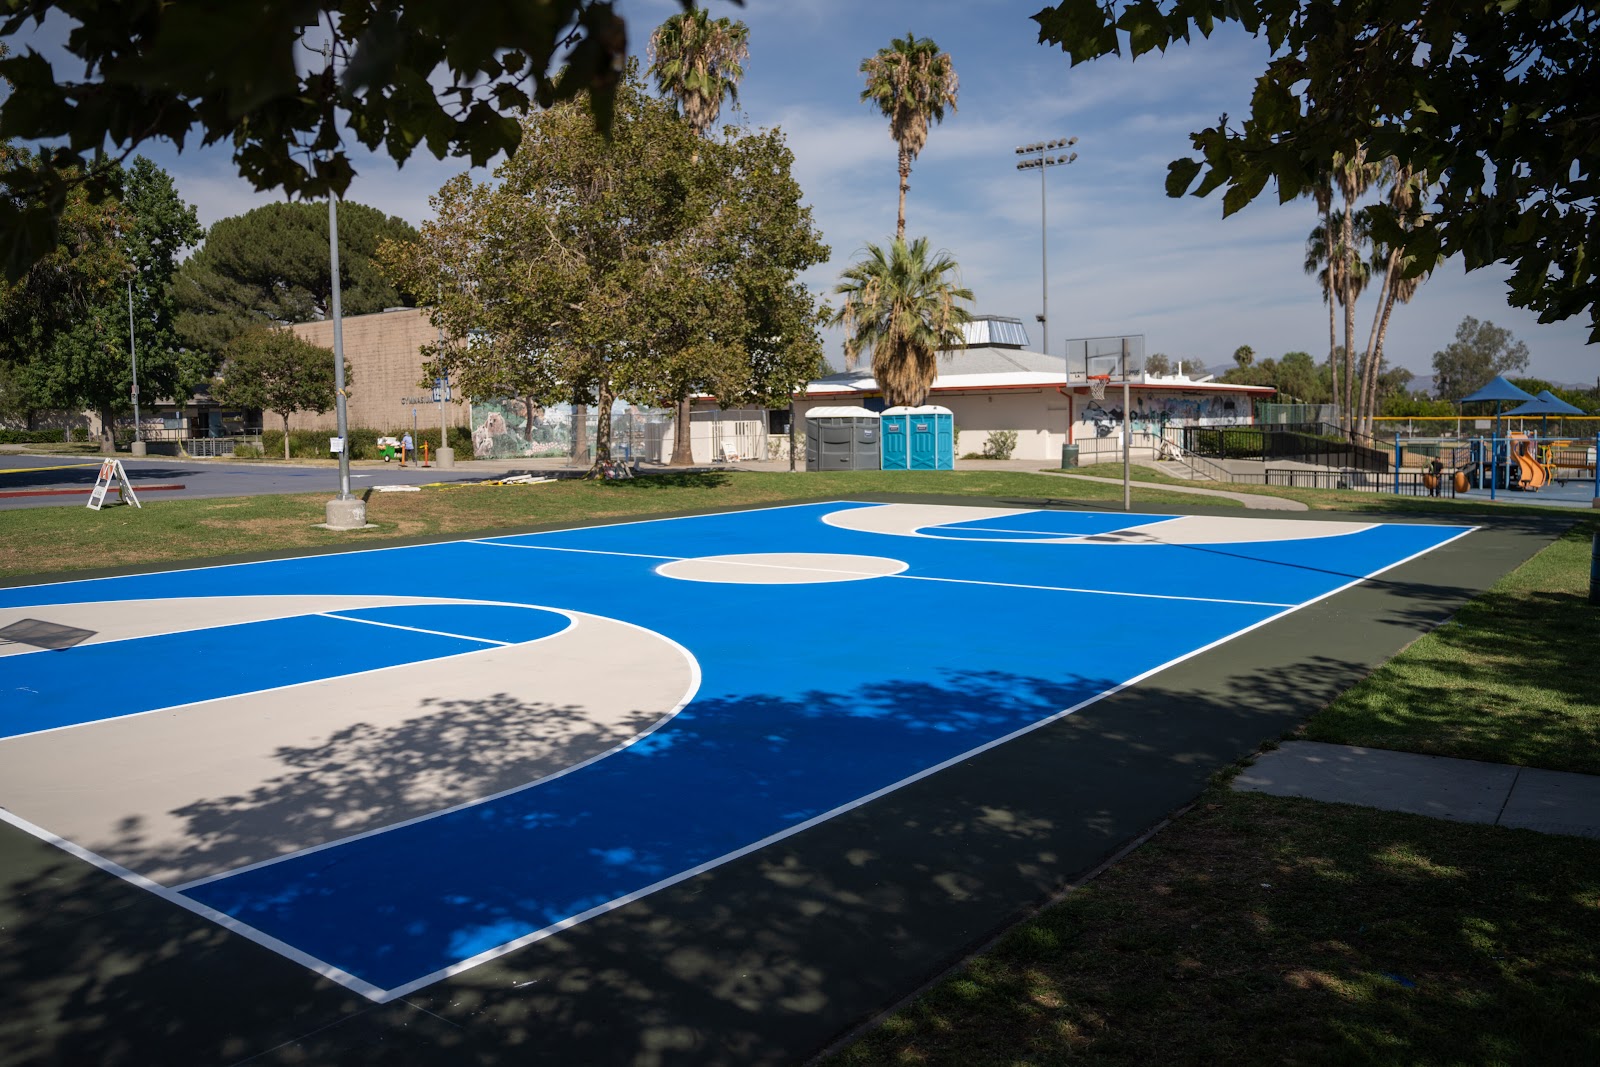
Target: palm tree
697,60
1408,189
1322,192
1353,175
1342,277
903,305
911,81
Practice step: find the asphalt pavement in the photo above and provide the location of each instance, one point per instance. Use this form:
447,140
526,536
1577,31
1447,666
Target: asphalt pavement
42,478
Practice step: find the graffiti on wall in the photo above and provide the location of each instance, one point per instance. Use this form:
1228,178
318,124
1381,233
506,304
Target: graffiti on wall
1153,414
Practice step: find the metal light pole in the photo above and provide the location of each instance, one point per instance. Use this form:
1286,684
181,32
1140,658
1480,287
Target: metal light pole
1127,434
138,446
344,512
1037,157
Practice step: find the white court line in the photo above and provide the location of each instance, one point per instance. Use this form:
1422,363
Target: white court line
313,681
915,577
961,528
221,918
587,551
4,589
1097,592
413,629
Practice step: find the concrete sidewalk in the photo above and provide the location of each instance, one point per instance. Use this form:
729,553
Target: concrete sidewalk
1551,802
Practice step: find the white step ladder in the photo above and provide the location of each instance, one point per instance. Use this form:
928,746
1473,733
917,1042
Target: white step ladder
112,474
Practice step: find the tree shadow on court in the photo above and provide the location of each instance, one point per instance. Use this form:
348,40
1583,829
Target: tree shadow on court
363,777
766,959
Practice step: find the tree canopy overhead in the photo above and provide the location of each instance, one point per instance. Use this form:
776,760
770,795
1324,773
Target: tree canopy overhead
445,75
1497,100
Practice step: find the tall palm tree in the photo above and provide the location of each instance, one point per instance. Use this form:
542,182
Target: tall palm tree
1322,192
1407,190
697,61
911,82
1342,278
905,305
1353,175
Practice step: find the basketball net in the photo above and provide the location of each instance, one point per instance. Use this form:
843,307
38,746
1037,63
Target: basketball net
1097,385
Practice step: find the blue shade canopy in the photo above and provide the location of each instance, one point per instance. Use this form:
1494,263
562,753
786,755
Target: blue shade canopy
1557,405
1537,406
1499,389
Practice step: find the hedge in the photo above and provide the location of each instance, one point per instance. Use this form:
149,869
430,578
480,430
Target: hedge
31,437
363,443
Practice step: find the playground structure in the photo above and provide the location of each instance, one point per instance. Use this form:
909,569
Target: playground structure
1517,462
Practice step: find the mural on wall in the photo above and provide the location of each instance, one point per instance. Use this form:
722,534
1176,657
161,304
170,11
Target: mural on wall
1154,413
504,427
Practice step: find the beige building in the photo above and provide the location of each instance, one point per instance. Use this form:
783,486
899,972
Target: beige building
384,352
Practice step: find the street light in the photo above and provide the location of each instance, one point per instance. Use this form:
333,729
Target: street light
1038,157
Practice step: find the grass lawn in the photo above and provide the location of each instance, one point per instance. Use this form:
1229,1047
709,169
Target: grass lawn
1513,678
46,540
1259,930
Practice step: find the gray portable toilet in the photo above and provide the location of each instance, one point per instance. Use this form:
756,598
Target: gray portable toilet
842,439
919,439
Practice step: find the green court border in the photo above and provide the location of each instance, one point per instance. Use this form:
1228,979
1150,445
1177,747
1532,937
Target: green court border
770,958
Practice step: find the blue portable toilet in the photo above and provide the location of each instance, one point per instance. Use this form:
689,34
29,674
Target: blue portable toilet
919,439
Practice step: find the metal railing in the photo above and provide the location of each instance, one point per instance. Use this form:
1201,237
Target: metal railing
219,446
1402,483
1168,446
1310,443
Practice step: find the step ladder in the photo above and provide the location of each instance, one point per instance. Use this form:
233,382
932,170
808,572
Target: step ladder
112,474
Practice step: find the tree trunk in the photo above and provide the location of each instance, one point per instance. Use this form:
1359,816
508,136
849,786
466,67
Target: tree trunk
905,183
108,430
682,434
580,434
285,416
1370,365
1347,252
1383,330
527,424
602,425
1333,310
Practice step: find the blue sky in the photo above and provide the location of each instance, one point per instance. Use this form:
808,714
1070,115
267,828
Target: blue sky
1123,258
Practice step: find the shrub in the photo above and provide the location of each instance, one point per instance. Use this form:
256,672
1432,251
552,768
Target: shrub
251,451
362,442
1000,444
30,437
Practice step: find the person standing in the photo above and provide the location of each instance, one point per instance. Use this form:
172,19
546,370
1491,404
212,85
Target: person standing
405,447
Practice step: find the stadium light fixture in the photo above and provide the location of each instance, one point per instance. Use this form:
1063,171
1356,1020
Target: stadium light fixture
1037,159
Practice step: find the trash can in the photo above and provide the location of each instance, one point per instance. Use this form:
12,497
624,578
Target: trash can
1069,456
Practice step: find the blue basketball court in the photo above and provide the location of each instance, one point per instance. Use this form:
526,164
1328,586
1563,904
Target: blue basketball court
394,764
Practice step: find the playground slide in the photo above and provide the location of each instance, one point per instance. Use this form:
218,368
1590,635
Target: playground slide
1533,475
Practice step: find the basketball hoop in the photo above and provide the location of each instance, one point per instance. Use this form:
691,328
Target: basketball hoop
1097,385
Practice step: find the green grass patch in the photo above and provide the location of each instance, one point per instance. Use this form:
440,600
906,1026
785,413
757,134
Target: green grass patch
1259,930
46,540
1513,678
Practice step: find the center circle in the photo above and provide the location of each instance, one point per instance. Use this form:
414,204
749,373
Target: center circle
781,568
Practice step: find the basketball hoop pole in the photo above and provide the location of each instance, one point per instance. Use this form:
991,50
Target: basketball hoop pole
1127,489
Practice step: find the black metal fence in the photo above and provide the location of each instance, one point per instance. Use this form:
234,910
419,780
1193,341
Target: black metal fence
1310,443
1405,483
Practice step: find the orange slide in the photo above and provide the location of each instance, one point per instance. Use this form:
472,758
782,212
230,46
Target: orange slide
1533,474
